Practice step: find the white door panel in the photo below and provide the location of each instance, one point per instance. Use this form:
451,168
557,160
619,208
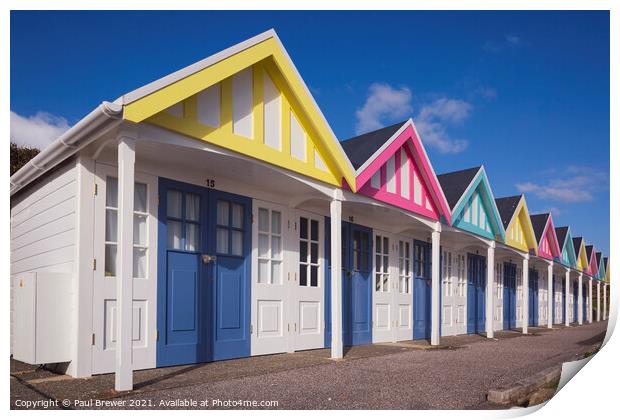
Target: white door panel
144,323
270,233
453,292
308,288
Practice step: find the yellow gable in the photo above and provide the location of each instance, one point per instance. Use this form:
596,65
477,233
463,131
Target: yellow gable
520,234
253,103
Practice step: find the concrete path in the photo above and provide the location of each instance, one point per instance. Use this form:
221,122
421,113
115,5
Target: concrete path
407,376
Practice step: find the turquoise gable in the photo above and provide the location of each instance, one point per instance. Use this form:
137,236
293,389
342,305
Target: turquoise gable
569,258
476,211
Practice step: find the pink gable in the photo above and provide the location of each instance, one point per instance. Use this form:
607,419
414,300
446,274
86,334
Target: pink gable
402,176
548,247
592,268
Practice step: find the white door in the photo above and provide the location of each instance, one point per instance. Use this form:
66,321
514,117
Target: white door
519,291
559,302
542,302
448,288
403,305
453,293
270,279
383,305
498,311
144,270
308,288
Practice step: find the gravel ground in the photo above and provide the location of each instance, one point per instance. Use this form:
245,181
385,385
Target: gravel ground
370,377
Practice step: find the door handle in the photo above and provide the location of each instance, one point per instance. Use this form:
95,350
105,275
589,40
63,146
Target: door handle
206,259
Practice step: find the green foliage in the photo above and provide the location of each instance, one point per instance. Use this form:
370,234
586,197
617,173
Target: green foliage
21,155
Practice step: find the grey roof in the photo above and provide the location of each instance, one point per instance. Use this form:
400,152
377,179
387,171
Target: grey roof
598,258
589,249
539,221
506,207
605,262
561,233
577,245
362,147
455,183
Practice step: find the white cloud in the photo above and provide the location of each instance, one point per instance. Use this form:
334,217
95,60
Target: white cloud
432,120
513,39
494,46
37,130
576,184
383,102
555,212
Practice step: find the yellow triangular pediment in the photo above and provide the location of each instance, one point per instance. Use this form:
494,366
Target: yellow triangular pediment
520,233
253,102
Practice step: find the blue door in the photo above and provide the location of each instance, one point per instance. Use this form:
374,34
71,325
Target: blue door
584,298
476,285
230,243
533,297
421,290
203,304
564,294
356,284
510,296
575,301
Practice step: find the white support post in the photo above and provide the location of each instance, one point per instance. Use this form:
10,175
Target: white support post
598,301
124,276
526,295
550,295
604,301
490,304
580,301
81,363
590,312
335,210
435,286
567,297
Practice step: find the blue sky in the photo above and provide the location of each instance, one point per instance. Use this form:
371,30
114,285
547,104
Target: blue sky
524,93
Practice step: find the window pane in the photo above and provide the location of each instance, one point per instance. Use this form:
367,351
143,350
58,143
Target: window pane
237,216
378,282
237,242
222,213
263,245
314,230
386,247
303,275
275,272
276,222
385,264
314,253
222,241
139,229
314,276
276,248
173,205
111,195
385,283
378,244
111,225
139,263
139,197
303,251
192,207
110,260
192,237
263,220
303,228
174,234
263,271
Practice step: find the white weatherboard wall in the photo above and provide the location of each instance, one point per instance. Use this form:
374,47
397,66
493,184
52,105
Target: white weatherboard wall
43,226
